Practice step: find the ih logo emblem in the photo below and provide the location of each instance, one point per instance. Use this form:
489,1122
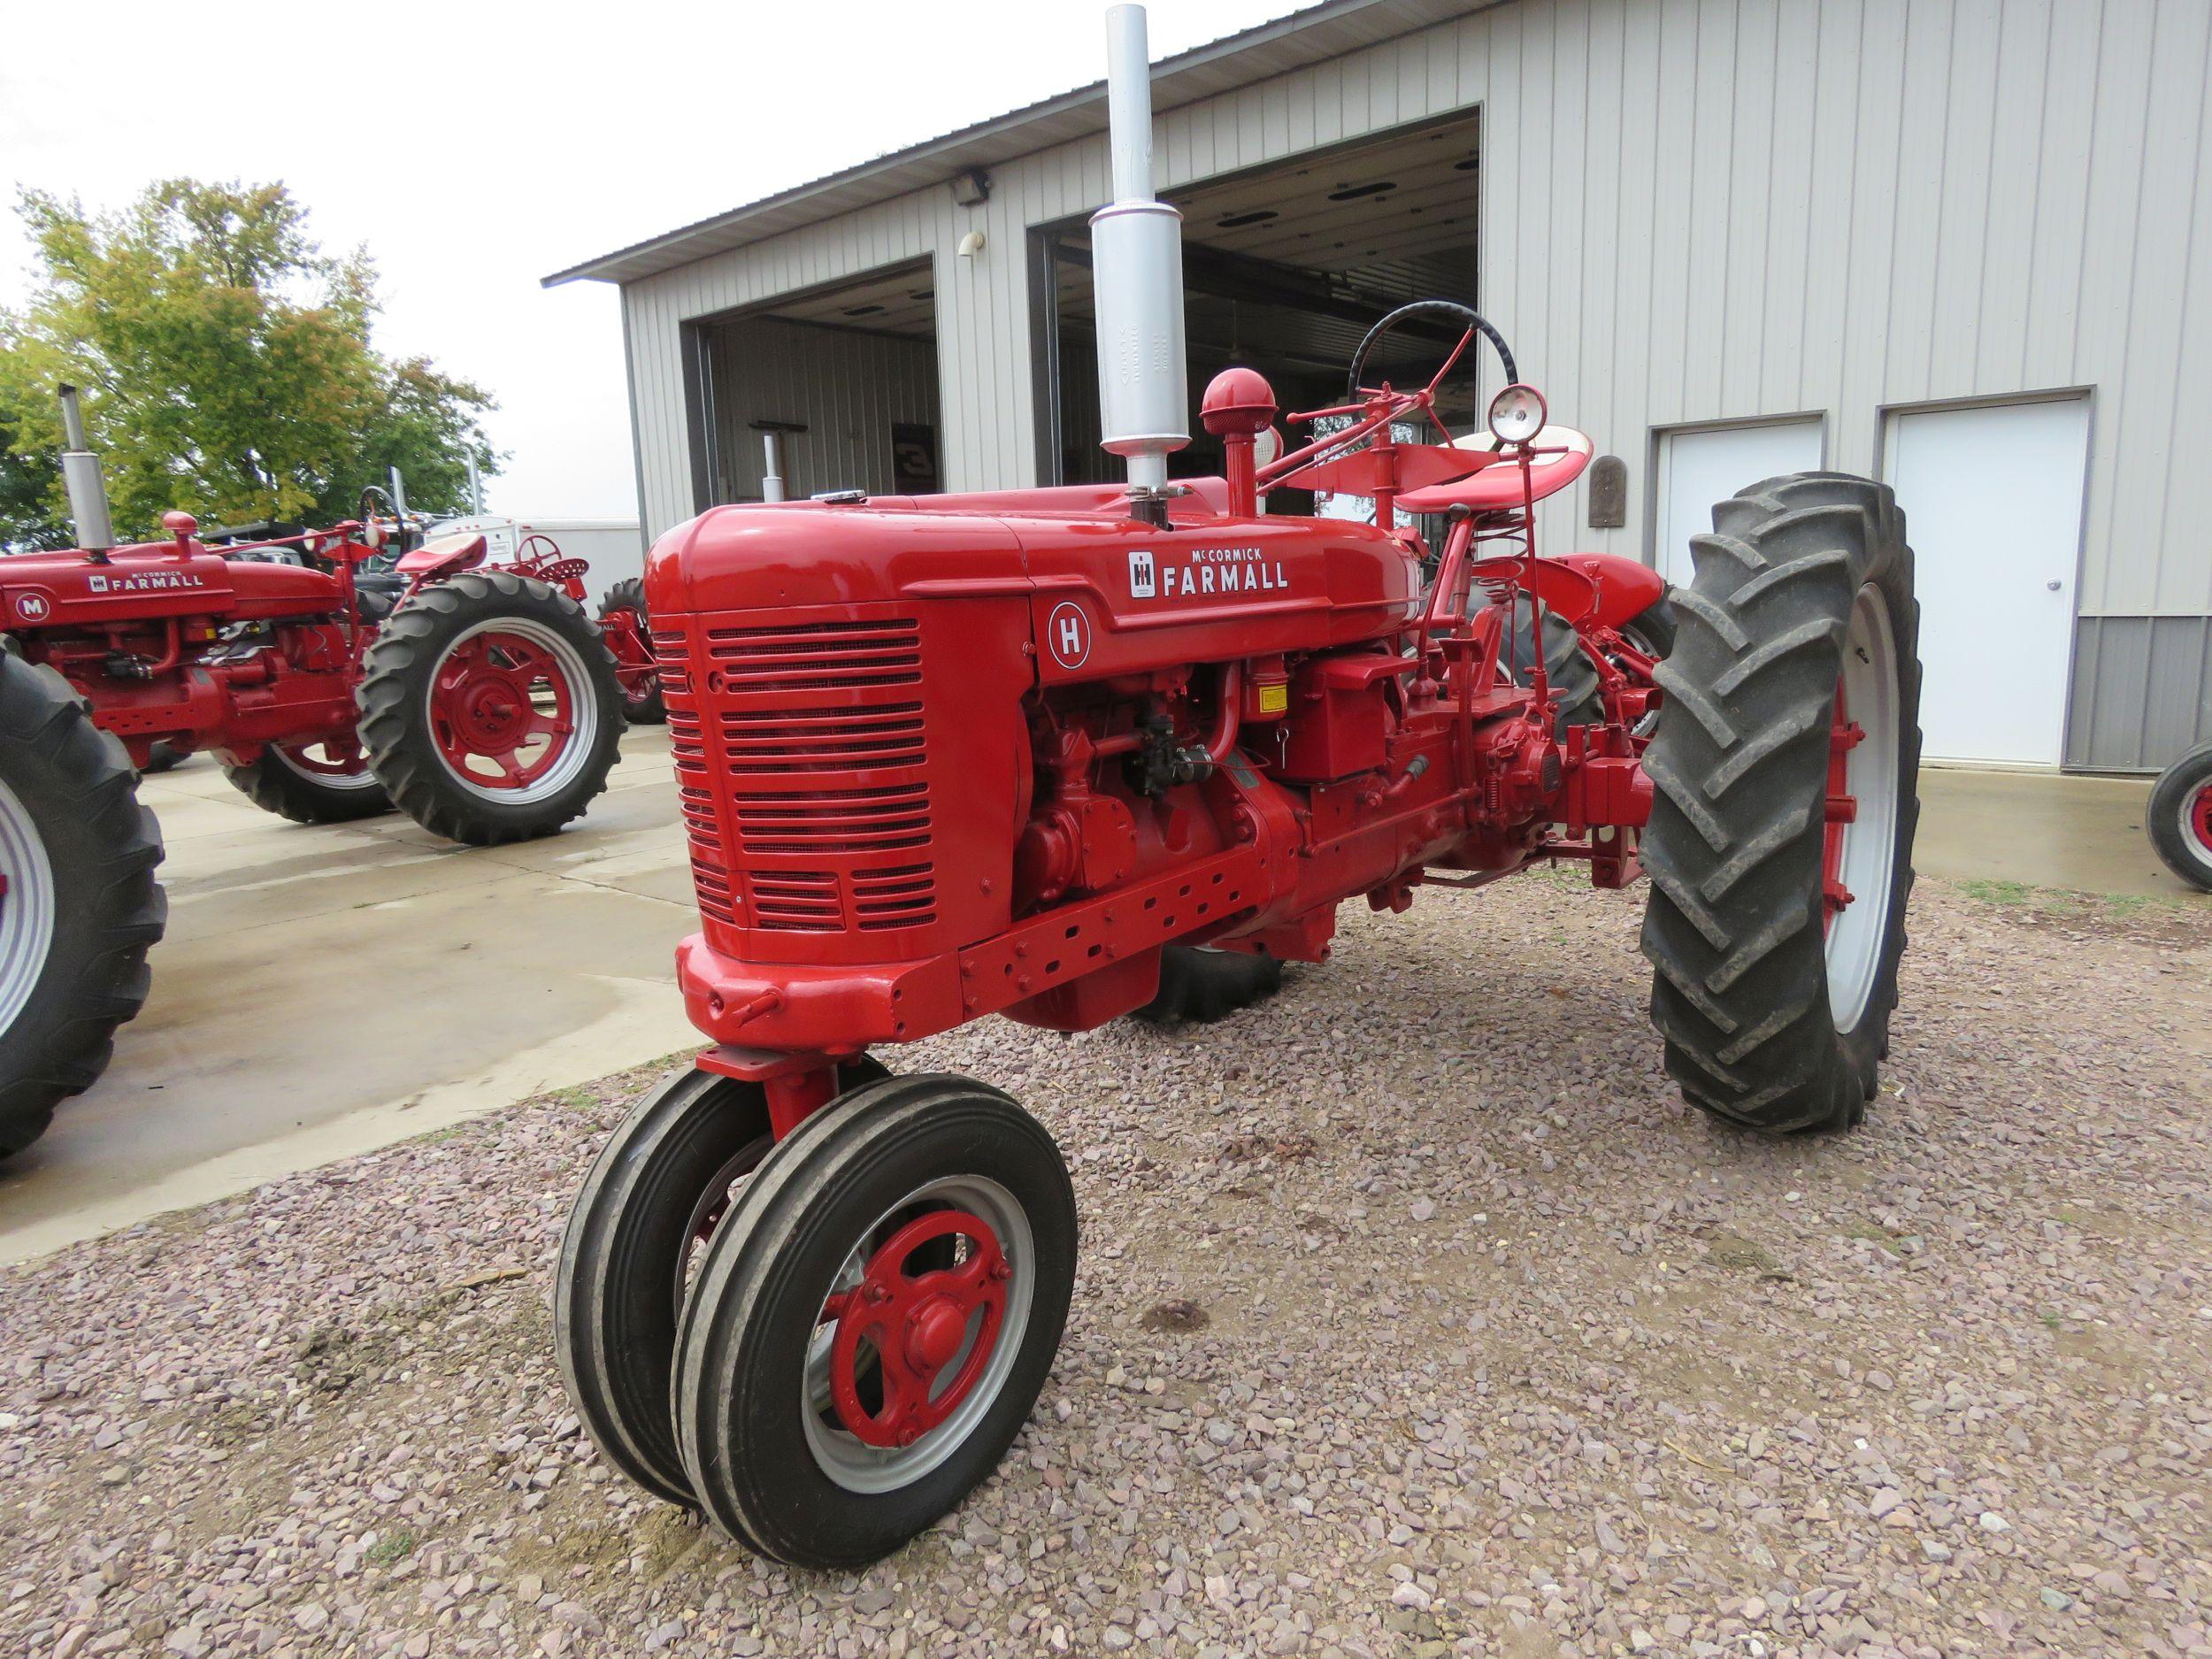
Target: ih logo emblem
1143,580
1068,631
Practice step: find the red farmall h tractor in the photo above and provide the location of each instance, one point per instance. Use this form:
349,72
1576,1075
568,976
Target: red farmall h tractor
482,703
1037,754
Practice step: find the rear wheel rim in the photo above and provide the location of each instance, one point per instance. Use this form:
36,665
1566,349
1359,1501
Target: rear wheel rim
512,711
994,1321
26,906
1859,847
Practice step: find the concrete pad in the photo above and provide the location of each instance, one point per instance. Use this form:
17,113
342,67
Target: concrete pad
2083,835
326,989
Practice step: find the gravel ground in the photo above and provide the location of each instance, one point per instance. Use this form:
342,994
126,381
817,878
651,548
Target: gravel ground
1417,1317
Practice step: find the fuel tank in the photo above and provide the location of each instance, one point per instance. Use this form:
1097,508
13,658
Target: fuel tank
846,687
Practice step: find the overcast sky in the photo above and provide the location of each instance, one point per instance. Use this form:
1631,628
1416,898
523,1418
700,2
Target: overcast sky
476,147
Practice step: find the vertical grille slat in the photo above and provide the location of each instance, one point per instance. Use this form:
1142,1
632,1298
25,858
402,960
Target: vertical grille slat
802,769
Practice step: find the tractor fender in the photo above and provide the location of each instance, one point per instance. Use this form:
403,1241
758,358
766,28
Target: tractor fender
1626,587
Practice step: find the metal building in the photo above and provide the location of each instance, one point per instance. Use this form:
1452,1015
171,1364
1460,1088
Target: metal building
1964,245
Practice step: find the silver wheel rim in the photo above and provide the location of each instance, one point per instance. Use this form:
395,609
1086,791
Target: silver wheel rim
26,908
362,779
1860,932
850,1461
2186,819
584,705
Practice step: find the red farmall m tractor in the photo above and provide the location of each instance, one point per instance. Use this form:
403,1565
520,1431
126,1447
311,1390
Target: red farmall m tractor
482,703
1041,753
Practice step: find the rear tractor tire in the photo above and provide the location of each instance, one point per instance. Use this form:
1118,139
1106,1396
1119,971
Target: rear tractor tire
81,907
1784,771
623,610
1202,985
490,708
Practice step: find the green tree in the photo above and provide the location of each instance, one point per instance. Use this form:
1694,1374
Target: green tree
226,366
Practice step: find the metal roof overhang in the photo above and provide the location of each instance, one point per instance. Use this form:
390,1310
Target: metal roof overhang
1313,35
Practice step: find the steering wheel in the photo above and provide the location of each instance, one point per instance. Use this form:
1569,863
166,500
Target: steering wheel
371,532
1468,319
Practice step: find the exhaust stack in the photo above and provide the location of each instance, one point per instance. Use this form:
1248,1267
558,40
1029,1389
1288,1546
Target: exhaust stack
1137,283
81,476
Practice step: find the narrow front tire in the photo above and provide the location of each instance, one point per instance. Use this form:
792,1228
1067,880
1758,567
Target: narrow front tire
874,1320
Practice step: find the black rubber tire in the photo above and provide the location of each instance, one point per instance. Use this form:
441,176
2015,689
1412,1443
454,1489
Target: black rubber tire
1204,985
752,1313
629,595
1568,669
77,785
629,1235
1740,769
393,698
275,786
2184,854
162,757
1653,629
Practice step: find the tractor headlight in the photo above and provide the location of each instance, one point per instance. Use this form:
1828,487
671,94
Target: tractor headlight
1517,414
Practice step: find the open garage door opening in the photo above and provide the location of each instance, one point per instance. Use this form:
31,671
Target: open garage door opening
842,381
1284,270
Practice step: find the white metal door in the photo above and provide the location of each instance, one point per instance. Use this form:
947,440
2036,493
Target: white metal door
1697,468
1992,498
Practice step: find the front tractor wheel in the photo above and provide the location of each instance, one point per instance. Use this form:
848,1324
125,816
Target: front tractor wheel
2180,813
874,1320
628,628
312,783
1785,773
660,1187
490,709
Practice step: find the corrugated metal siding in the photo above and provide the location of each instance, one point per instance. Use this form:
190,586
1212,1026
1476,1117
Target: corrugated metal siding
1697,210
2142,691
848,387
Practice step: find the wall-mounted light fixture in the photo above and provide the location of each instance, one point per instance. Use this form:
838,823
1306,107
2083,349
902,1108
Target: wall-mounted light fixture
971,188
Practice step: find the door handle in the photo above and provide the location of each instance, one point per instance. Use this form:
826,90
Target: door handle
2054,586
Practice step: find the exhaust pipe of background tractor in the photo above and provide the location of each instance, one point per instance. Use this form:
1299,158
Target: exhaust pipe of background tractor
1137,285
81,476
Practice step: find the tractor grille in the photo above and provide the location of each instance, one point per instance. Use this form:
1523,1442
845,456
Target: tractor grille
802,772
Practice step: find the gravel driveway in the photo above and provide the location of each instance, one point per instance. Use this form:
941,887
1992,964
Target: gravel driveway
1417,1317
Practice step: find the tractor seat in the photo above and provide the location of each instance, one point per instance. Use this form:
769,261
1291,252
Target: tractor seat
443,554
1498,489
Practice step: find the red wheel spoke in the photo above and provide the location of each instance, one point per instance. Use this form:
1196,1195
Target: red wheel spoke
918,1326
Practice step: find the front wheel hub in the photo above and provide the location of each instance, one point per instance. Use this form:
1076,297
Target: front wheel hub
910,1345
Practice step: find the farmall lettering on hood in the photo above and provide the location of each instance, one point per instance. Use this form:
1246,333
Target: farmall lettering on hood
1223,570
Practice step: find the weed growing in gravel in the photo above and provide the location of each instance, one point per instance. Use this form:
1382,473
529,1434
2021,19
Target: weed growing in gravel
397,1548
